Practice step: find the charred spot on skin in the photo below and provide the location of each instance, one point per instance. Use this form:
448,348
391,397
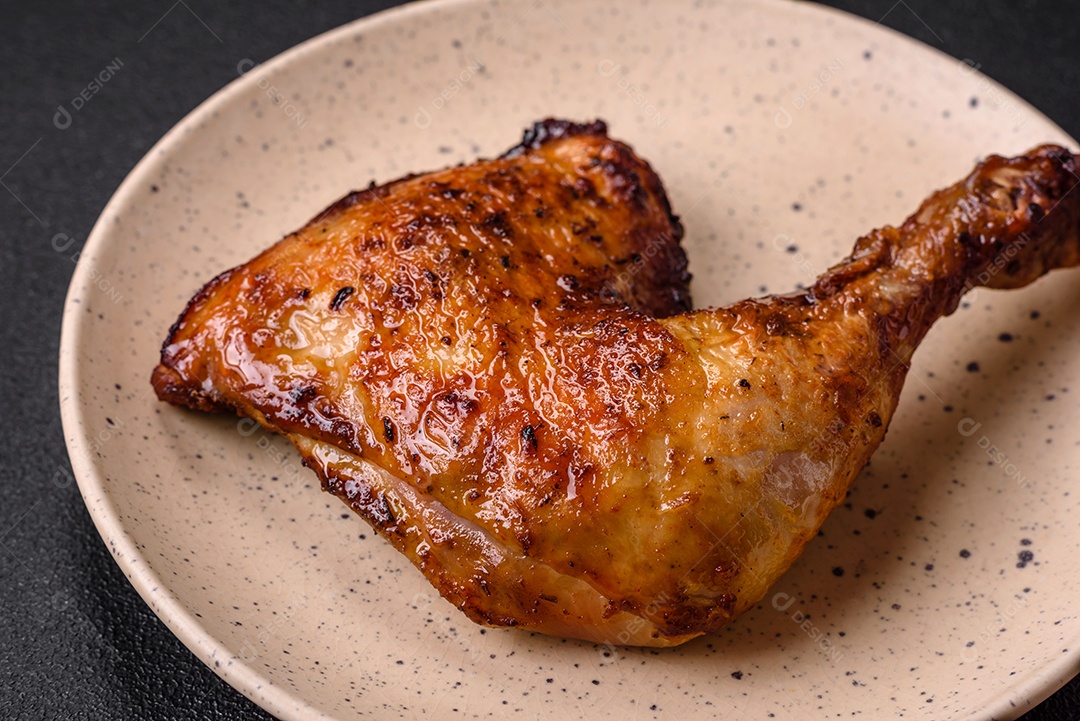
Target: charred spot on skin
498,225
584,188
580,228
388,430
528,435
445,340
775,325
405,296
545,131
407,241
341,296
344,430
505,260
549,598
1063,156
427,220
383,512
743,383
304,293
465,253
302,395
619,167
568,282
373,192
709,460
459,405
368,245
874,419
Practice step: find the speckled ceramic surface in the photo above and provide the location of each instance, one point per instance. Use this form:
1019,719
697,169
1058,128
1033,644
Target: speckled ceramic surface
944,588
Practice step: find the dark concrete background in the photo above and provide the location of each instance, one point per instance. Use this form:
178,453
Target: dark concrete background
75,639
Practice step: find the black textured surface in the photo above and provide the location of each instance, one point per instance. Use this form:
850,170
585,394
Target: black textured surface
75,639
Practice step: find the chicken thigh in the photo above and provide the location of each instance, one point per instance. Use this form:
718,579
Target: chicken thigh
497,367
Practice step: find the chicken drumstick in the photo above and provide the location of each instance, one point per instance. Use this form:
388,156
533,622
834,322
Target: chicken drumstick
497,367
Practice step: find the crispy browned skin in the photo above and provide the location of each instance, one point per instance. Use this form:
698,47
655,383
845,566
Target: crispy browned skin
491,365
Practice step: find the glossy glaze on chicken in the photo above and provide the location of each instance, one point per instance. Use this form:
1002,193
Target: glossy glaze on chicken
496,366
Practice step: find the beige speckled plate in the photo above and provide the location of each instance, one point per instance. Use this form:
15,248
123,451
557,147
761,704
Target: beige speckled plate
945,588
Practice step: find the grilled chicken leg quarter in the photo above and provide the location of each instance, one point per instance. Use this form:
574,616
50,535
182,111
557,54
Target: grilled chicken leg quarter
497,367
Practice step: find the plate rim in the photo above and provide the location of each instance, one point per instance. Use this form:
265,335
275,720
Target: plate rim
276,699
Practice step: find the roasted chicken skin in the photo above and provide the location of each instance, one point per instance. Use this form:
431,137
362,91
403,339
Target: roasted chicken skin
497,367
